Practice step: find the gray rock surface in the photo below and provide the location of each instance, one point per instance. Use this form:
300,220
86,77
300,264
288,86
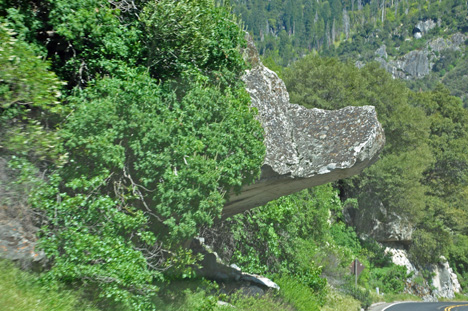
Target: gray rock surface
232,278
418,63
304,147
19,245
425,26
444,283
373,220
382,52
413,65
17,227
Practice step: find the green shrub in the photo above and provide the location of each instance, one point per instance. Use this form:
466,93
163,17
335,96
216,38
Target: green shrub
390,280
301,296
361,294
25,80
269,301
147,164
272,238
192,35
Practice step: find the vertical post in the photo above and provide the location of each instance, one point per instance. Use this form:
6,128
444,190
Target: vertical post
355,272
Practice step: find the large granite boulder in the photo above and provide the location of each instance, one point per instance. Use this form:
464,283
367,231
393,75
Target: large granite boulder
304,147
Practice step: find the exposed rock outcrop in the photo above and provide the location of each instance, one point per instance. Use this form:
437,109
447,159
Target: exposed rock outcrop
19,245
373,220
444,282
231,278
17,228
418,63
304,147
423,27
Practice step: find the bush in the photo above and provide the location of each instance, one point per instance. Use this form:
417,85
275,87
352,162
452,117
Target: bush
390,280
337,301
147,164
301,296
192,35
427,247
361,294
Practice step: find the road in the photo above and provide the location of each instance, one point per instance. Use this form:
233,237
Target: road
423,306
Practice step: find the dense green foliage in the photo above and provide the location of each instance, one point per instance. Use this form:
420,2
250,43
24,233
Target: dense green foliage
301,242
127,124
422,174
286,30
153,132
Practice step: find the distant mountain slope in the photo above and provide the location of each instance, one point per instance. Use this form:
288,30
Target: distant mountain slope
422,42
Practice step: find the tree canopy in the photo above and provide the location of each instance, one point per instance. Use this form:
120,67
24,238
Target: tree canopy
422,171
142,125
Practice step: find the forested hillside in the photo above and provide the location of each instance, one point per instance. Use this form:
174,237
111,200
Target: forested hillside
421,181
287,30
365,31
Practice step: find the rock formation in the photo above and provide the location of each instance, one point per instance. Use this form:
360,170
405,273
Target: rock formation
444,282
419,63
230,278
304,147
374,220
17,244
423,27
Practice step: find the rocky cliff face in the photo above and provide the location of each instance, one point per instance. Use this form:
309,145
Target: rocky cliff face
444,282
375,221
418,63
304,147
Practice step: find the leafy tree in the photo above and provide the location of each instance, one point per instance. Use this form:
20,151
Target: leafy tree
98,242
430,241
27,86
447,177
184,154
191,36
288,238
90,38
29,97
157,133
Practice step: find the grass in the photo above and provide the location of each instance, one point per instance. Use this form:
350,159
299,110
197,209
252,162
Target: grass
337,301
300,296
21,291
199,295
458,297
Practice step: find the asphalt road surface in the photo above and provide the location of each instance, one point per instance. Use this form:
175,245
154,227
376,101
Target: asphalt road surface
428,306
